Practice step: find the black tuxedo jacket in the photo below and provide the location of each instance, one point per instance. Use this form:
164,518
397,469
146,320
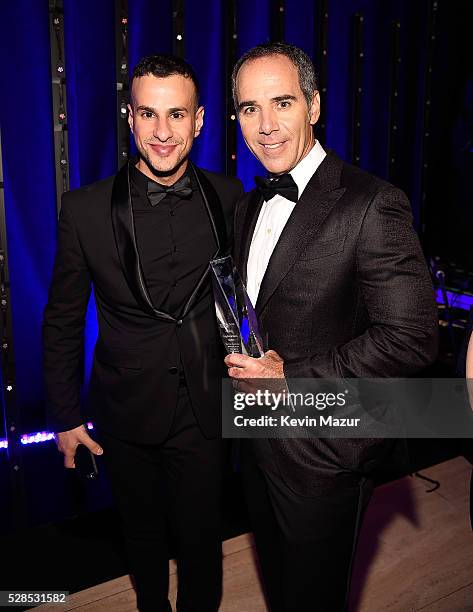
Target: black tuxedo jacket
134,380
346,294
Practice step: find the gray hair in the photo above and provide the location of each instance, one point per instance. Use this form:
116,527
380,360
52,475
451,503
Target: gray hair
300,59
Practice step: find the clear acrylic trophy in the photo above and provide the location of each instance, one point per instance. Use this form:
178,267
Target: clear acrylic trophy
236,316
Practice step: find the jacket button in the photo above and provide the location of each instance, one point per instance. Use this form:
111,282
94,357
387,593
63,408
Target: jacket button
179,322
173,370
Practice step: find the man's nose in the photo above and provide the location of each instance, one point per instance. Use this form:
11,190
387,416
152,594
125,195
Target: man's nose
268,121
161,130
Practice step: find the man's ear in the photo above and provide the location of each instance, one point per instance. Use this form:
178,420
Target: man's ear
314,110
199,120
130,117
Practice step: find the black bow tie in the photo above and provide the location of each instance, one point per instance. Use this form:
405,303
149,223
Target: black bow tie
156,192
283,185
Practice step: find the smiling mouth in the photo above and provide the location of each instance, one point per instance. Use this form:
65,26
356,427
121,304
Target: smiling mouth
162,149
275,145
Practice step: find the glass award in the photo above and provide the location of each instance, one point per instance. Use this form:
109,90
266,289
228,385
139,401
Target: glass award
236,316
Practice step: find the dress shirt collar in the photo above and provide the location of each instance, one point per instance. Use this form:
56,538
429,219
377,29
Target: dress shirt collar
302,173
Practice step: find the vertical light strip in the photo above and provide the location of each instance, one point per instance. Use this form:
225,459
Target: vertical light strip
123,83
357,55
178,28
425,155
321,64
393,129
277,20
58,72
230,59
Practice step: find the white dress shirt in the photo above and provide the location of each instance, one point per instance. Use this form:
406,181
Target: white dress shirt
272,219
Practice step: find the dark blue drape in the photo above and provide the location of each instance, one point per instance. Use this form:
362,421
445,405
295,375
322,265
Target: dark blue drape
149,29
299,25
30,192
89,33
253,26
204,44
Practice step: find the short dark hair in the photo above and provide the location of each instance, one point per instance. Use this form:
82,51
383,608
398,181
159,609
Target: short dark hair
162,66
300,59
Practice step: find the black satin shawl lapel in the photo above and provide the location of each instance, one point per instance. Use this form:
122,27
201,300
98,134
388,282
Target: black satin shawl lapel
217,222
249,223
214,209
305,220
124,230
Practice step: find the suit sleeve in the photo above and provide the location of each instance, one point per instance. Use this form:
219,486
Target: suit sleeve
63,326
397,293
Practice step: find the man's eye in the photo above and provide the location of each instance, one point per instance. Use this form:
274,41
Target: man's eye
177,115
249,110
284,104
147,114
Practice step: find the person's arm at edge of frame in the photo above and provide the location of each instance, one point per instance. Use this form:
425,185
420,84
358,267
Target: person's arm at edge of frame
63,332
469,369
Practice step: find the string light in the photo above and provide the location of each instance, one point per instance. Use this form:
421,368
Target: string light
36,438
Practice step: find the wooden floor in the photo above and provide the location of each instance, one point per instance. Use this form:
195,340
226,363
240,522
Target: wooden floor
415,553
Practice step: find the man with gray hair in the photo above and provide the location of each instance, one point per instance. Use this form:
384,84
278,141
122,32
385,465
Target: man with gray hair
341,289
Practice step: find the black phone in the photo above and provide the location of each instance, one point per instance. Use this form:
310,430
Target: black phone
85,463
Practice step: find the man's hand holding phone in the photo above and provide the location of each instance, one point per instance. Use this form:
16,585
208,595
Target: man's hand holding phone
68,441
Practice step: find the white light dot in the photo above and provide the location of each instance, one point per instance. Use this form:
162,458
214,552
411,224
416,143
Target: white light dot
232,117
179,37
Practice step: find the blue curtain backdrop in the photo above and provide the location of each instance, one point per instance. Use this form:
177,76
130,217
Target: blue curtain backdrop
27,123
89,36
204,43
149,29
253,28
30,193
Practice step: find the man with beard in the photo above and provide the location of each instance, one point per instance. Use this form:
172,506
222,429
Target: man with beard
341,290
143,240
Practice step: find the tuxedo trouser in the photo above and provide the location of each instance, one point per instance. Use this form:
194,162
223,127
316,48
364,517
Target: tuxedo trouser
170,490
305,545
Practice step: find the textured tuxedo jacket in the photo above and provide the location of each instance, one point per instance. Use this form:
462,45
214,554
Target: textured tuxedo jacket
134,380
346,294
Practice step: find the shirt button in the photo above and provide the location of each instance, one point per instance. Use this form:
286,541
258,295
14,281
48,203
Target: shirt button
171,212
179,323
173,370
269,230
